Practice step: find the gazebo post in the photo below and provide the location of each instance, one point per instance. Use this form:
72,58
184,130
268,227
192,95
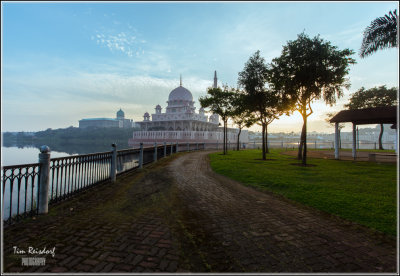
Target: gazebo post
353,151
336,140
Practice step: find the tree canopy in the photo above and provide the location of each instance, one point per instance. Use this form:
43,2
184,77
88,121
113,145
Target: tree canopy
264,103
219,101
373,97
307,70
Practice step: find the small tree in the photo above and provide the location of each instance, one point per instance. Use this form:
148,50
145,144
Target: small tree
308,70
374,97
265,104
240,115
220,102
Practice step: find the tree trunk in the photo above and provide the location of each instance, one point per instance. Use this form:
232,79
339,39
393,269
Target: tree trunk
226,136
304,159
380,138
263,142
266,139
238,141
223,146
302,136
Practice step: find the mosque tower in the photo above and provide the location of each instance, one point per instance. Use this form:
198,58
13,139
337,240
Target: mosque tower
214,118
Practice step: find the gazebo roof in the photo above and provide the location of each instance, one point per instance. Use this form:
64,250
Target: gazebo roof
376,115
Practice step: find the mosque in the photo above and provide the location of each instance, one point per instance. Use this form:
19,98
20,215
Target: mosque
180,123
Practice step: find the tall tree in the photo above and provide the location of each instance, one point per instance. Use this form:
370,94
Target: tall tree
380,34
373,97
265,103
307,70
241,116
219,101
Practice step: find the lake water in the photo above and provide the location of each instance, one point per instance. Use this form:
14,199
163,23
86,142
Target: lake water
26,155
17,155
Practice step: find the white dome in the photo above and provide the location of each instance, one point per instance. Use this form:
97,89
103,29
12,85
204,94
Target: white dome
180,94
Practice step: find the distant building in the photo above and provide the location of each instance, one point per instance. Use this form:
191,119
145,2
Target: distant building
180,123
119,121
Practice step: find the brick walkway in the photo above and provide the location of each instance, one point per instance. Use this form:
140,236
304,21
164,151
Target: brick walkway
179,216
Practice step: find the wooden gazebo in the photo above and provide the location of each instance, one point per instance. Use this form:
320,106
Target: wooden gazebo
377,115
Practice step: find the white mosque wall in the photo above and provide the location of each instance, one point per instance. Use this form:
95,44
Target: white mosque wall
150,137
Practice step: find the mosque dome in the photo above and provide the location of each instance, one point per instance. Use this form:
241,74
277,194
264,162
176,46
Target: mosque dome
180,94
120,113
158,106
146,114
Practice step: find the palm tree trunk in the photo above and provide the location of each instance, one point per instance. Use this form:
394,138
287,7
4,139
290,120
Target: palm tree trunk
380,138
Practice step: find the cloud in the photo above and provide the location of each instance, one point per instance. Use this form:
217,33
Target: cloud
125,42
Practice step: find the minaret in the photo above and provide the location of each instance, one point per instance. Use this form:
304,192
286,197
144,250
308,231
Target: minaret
215,79
181,80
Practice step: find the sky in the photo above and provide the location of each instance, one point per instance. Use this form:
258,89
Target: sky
64,61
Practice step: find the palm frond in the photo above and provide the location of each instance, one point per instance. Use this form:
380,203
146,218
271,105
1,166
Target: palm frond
380,34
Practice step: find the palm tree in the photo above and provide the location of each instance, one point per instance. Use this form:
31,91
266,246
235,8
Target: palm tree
381,34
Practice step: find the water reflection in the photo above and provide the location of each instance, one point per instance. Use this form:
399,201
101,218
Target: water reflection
73,149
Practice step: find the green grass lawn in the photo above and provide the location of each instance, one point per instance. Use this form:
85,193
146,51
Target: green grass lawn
362,192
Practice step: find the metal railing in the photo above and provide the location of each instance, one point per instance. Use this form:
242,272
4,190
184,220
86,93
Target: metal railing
68,176
20,181
320,145
72,174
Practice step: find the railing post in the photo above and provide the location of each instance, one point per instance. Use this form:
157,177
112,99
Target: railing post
141,156
44,180
172,148
188,147
113,172
165,149
197,146
176,149
155,152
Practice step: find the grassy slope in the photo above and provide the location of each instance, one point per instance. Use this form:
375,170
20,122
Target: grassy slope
358,191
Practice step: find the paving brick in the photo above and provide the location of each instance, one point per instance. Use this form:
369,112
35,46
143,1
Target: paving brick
137,259
99,267
82,267
91,262
108,267
114,259
148,264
